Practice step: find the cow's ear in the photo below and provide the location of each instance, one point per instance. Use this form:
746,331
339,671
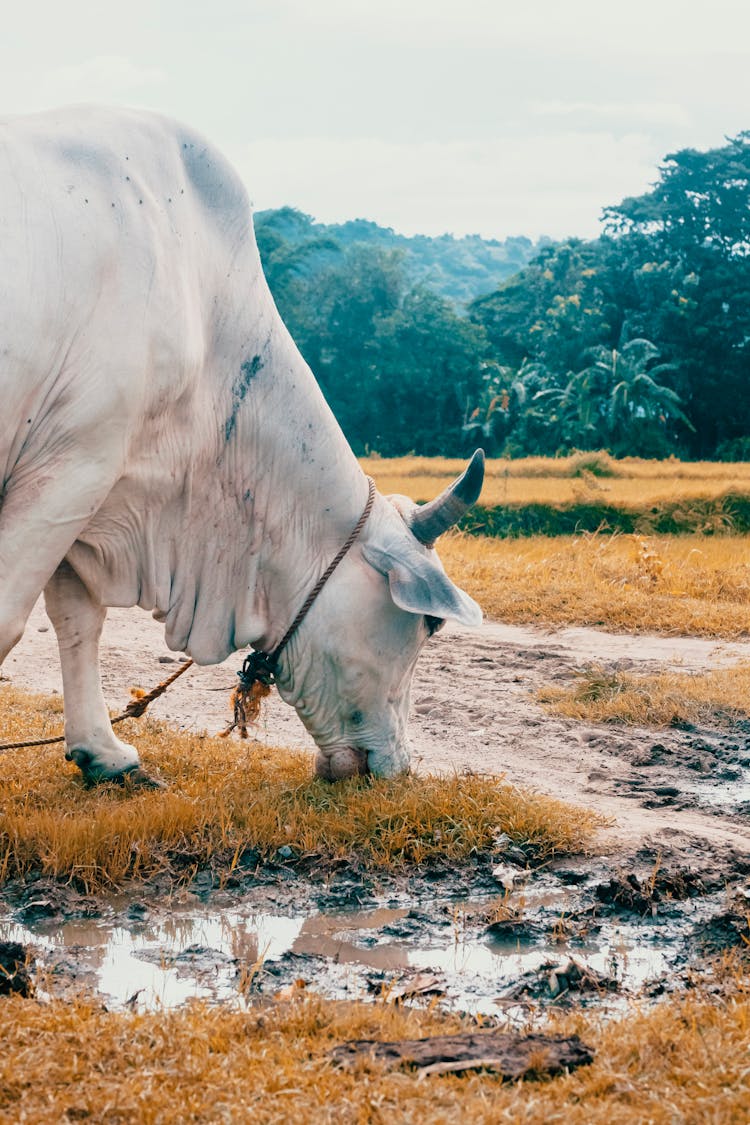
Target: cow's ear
419,584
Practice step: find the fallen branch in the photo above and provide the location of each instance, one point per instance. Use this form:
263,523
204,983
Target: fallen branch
512,1056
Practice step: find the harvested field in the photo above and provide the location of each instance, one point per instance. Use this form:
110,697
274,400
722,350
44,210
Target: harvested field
585,492
676,585
441,470
517,490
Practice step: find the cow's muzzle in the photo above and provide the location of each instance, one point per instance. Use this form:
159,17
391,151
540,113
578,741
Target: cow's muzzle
348,761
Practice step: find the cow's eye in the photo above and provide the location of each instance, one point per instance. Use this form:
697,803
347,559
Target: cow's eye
434,624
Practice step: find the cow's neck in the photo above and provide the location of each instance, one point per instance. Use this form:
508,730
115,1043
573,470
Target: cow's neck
310,492
296,490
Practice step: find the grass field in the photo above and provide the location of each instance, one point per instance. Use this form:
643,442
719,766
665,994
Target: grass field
586,491
517,490
665,584
683,475
615,570
684,1061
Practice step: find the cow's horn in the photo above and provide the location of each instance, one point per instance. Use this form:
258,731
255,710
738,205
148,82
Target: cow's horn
431,520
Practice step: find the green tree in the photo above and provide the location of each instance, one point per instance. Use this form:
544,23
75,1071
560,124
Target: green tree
701,204
619,402
428,372
554,308
339,339
686,248
510,418
396,362
564,352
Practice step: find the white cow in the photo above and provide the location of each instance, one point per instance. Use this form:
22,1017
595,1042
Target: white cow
164,444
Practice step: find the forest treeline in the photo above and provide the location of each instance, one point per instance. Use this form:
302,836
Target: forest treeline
637,342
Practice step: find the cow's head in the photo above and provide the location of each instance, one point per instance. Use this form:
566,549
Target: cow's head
350,665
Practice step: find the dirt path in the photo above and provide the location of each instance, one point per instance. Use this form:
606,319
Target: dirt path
473,708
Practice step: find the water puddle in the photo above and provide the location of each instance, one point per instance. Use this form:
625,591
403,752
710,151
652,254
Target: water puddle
730,795
144,957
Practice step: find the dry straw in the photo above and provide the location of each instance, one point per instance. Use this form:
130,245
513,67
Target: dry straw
664,699
556,496
683,1061
677,585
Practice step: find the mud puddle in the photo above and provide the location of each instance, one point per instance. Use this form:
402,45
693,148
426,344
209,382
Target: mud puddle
558,937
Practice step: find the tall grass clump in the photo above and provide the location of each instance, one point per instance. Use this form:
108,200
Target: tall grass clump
227,798
661,699
596,462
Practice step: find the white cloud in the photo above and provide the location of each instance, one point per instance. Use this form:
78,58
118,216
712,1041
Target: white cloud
666,27
477,114
653,113
551,184
103,78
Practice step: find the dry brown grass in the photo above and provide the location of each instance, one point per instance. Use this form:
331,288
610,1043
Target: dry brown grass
559,479
515,490
224,798
664,699
679,585
556,496
689,584
684,1061
596,461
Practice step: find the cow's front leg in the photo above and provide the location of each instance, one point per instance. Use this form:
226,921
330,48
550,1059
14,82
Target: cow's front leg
78,620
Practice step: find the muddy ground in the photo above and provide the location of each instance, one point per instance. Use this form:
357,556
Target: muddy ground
668,886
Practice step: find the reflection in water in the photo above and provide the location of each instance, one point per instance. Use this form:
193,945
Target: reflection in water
722,794
196,952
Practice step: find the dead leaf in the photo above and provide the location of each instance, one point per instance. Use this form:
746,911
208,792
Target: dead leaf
422,984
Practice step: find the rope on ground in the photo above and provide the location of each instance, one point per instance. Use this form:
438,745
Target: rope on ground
134,710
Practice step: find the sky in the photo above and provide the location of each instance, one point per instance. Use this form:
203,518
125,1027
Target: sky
429,116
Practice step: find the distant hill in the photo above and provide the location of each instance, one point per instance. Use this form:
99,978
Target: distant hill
457,268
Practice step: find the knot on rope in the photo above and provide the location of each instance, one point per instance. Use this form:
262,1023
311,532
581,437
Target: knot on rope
257,676
138,704
134,710
141,699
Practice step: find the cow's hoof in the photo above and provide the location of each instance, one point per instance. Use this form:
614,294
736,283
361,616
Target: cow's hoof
137,778
134,777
